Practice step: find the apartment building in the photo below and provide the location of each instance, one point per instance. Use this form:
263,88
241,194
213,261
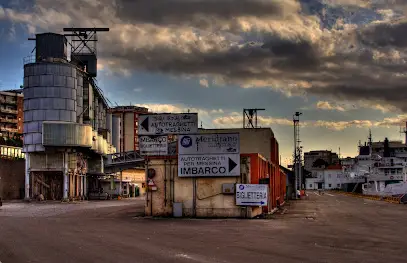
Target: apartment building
11,113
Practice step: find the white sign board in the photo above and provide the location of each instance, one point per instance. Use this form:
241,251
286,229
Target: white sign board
209,165
160,124
214,143
252,194
153,145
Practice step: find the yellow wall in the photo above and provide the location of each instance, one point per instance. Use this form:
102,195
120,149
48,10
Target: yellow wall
210,202
137,176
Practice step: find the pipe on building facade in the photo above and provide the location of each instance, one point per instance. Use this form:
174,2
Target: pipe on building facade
27,176
147,200
120,186
171,182
165,182
65,176
194,196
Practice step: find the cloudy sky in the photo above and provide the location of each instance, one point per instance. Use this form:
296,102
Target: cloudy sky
342,63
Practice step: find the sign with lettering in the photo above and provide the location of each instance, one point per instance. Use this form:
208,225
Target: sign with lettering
252,194
209,165
167,123
153,145
213,143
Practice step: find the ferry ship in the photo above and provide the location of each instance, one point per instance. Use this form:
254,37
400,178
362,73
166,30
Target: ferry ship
383,166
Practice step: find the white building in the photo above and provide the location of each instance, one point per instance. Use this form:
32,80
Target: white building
330,178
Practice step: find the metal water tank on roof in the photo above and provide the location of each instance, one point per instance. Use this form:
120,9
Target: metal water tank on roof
50,45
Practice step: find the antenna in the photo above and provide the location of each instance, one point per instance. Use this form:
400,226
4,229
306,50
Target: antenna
250,115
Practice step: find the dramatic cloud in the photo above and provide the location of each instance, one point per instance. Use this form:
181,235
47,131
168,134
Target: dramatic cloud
236,121
347,106
340,49
204,83
325,105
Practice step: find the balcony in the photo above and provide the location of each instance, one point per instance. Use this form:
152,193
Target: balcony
6,129
8,100
5,110
8,120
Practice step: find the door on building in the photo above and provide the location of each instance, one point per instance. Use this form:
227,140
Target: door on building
319,185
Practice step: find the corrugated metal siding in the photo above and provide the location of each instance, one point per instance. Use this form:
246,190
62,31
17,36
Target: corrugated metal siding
261,171
49,95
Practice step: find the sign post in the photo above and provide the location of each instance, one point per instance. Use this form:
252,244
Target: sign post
252,194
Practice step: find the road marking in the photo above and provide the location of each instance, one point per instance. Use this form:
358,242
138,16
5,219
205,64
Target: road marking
329,194
316,193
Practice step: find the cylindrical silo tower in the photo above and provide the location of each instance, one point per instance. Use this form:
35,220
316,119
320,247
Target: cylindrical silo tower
50,94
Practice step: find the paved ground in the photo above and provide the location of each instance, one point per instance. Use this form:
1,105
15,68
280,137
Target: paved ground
328,228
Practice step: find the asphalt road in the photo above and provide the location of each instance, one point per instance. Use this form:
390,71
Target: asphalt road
328,228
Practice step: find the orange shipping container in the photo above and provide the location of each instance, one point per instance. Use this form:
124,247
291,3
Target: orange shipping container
264,172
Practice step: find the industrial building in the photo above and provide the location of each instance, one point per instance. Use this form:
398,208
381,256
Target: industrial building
11,114
215,196
67,127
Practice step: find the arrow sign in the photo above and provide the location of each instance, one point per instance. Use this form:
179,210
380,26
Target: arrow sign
145,123
252,194
261,202
232,165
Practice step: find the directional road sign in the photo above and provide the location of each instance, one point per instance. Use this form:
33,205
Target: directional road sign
209,143
167,123
209,165
251,194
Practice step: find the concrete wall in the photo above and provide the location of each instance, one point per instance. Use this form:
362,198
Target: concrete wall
251,140
11,178
207,194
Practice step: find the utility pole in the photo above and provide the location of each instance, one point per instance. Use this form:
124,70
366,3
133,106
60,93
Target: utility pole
297,165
